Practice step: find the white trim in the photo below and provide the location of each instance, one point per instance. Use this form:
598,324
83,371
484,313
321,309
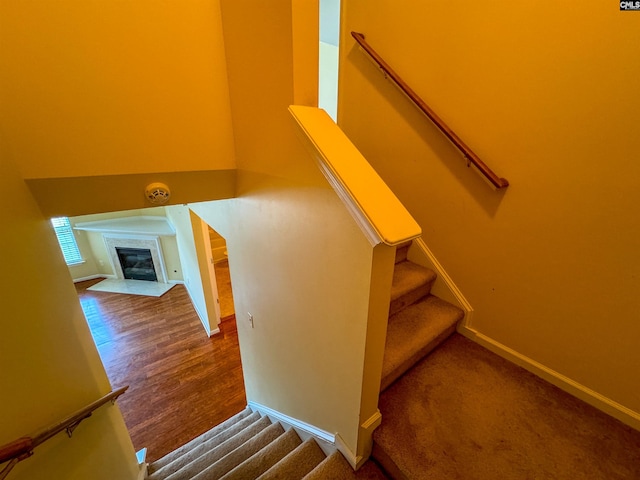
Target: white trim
373,421
293,422
334,440
366,433
93,277
444,287
200,316
371,234
215,331
570,386
353,459
377,211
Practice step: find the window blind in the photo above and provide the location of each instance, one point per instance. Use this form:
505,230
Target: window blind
67,240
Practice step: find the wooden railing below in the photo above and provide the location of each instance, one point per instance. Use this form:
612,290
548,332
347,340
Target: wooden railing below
469,155
22,448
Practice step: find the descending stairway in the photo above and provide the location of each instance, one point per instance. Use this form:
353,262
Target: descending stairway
418,323
249,446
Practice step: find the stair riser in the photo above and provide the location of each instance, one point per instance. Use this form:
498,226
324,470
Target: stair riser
411,361
387,463
401,253
409,298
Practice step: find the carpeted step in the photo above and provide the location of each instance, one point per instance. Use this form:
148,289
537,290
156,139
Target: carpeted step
410,283
414,332
334,467
249,448
193,462
266,458
402,250
297,463
208,435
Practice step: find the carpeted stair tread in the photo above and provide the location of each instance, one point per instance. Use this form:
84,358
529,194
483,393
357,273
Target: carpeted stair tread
414,332
410,283
208,435
334,467
191,464
240,454
467,413
297,463
266,458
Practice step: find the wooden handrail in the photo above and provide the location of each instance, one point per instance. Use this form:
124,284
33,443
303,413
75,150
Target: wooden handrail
471,157
22,448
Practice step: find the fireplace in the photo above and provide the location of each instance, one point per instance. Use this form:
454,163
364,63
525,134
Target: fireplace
146,261
137,264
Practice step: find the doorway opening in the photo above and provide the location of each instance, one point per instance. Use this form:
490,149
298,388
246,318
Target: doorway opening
223,278
156,344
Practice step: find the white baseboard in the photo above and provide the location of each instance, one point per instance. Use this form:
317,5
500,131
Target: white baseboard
329,442
593,398
288,421
444,287
200,316
176,282
93,277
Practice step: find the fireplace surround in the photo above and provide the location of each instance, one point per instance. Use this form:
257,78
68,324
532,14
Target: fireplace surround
113,242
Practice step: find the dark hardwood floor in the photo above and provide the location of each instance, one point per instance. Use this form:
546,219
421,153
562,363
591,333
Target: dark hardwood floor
181,382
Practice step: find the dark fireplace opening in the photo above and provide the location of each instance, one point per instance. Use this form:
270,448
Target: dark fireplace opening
137,264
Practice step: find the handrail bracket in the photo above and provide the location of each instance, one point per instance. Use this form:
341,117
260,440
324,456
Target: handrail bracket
71,428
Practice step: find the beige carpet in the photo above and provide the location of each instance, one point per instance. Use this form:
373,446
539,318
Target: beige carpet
248,447
465,413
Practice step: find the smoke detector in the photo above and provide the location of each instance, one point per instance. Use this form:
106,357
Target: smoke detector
157,193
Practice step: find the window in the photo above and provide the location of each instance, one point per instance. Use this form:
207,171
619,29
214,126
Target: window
67,241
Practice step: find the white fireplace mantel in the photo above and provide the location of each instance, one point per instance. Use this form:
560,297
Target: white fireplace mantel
133,232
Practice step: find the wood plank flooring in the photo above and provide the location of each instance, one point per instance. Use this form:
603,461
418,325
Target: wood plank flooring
182,382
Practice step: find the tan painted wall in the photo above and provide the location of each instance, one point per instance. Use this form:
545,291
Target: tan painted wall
299,264
113,88
180,217
305,280
49,366
545,94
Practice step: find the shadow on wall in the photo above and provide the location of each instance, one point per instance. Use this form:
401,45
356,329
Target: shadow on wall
441,149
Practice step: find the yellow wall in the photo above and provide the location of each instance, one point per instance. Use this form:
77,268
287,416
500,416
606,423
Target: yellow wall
49,366
305,280
110,88
299,263
180,217
544,92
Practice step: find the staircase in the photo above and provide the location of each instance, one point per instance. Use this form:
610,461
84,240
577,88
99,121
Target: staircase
249,446
418,323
